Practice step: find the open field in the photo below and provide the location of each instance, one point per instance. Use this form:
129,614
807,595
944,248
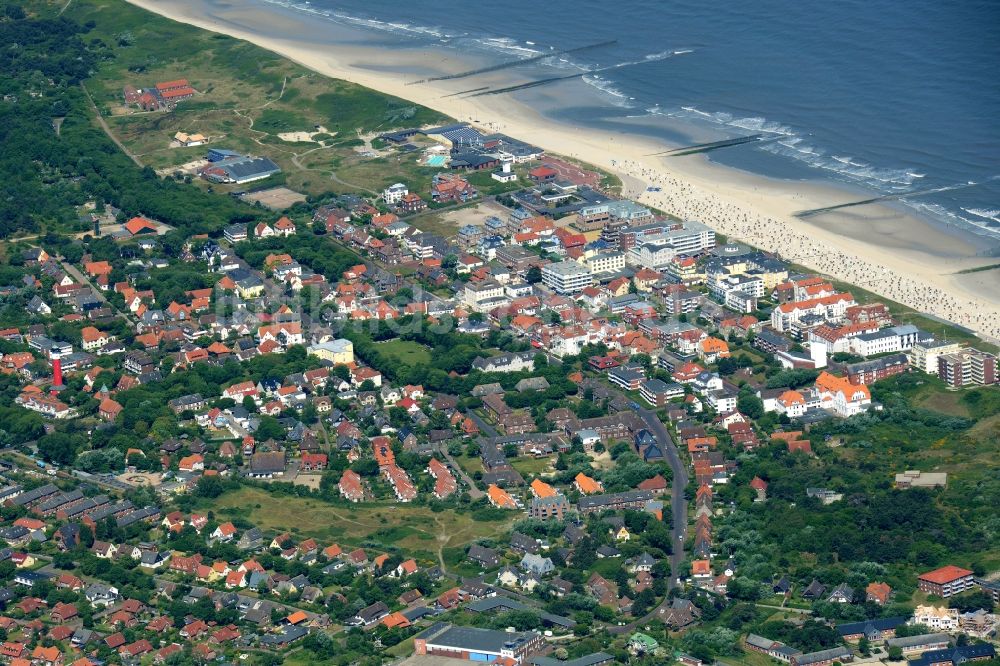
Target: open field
470,465
447,223
406,352
275,198
532,466
412,528
248,99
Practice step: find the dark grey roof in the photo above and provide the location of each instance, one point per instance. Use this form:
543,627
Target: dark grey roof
495,603
598,501
869,626
956,655
248,167
34,495
917,641
593,659
288,634
471,638
823,656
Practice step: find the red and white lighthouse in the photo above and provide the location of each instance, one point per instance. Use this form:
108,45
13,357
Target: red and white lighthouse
57,378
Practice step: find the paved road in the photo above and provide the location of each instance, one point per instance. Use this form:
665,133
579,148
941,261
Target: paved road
678,502
474,492
98,293
483,426
678,510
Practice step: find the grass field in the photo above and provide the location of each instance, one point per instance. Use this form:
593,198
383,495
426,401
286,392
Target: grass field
945,402
245,97
748,658
470,465
415,529
406,352
532,466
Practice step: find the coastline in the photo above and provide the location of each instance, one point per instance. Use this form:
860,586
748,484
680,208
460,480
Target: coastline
879,248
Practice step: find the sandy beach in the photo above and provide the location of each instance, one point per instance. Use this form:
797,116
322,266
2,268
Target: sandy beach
879,248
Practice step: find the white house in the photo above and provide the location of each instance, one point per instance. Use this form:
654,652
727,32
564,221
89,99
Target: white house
393,195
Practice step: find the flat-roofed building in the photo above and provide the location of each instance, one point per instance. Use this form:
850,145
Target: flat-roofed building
474,644
912,478
968,367
566,277
924,355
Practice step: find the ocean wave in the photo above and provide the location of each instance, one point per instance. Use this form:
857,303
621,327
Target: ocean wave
365,22
937,211
795,146
616,96
988,213
506,45
848,167
791,143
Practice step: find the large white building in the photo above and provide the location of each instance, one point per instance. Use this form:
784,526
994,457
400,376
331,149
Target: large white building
894,339
566,277
737,292
935,617
394,194
652,255
688,237
480,295
605,262
655,246
924,355
832,308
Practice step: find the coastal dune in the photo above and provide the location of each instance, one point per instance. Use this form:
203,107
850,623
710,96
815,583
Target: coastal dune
879,248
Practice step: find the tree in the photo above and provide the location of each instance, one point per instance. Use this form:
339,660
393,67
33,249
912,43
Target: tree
750,405
365,467
209,486
269,428
972,601
534,275
59,447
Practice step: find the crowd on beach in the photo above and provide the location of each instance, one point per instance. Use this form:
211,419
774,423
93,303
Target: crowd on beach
688,201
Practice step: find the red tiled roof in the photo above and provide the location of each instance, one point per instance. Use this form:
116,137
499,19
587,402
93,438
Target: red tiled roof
945,574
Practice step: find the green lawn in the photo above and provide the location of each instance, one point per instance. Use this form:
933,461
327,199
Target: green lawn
406,352
532,466
748,658
470,465
413,528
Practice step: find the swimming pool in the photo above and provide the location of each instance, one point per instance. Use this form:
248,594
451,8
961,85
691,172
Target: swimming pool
436,160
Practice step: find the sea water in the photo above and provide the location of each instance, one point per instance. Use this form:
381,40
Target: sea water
889,96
